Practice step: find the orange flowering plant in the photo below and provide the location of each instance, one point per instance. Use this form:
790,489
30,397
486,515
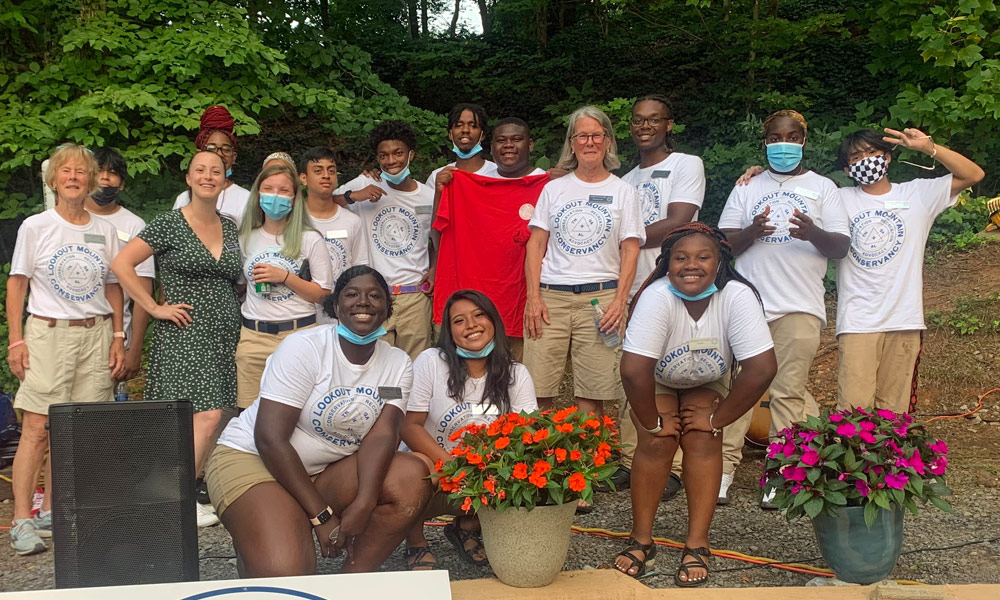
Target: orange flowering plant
529,459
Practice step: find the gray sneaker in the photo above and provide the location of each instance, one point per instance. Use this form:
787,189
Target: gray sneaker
43,525
23,538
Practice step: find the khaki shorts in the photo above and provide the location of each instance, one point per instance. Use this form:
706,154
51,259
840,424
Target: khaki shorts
876,369
251,354
65,364
231,473
572,331
409,326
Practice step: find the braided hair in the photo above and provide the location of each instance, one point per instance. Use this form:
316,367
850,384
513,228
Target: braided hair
669,142
789,113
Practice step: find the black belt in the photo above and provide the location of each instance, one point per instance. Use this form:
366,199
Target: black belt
273,327
582,288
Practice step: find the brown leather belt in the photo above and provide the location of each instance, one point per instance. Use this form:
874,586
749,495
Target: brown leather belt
88,322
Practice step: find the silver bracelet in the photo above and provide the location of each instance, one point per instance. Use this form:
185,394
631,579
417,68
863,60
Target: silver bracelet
715,432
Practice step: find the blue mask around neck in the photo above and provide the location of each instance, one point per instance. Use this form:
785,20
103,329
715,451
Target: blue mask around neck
354,338
708,292
275,206
784,156
487,349
229,173
464,155
398,177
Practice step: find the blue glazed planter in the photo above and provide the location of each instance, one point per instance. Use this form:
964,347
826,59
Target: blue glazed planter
856,553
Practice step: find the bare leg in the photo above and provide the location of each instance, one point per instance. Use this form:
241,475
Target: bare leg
28,462
590,406
702,475
546,403
205,423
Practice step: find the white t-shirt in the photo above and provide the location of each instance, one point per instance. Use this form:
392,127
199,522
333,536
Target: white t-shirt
129,225
586,222
398,229
346,243
67,265
489,169
786,271
677,178
691,353
280,302
340,401
880,281
445,415
232,202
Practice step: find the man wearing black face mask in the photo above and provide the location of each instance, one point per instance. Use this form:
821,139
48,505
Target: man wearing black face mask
104,204
880,309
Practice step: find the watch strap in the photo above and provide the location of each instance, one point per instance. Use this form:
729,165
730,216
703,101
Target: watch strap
322,517
659,425
347,197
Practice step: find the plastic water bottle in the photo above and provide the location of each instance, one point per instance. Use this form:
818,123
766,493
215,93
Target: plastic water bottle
610,338
121,392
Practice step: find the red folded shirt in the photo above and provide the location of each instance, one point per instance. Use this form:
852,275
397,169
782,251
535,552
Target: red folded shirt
484,229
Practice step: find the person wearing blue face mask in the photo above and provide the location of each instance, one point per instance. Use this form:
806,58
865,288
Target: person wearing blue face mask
314,458
395,212
277,242
466,132
470,377
693,319
785,225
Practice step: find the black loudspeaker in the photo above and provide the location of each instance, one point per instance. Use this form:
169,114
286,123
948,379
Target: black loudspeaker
123,502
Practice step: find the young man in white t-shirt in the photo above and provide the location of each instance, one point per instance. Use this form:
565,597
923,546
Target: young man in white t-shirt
395,212
784,225
467,132
880,309
671,189
341,229
104,203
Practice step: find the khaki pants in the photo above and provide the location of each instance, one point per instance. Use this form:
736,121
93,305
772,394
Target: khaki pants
796,339
409,326
876,369
572,331
251,355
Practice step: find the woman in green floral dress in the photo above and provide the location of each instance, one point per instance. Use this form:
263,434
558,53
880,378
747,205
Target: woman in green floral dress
198,327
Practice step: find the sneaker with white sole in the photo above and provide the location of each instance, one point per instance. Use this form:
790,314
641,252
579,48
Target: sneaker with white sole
24,539
767,502
206,515
727,481
43,525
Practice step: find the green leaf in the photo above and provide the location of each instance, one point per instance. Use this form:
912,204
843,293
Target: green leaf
871,513
813,507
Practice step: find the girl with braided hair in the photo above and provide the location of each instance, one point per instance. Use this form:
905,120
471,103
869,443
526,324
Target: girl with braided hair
693,318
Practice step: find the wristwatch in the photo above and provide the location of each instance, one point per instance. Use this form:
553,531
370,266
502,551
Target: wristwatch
119,334
322,517
659,425
347,197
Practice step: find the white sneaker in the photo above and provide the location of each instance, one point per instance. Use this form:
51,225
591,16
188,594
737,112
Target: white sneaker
727,480
206,515
767,502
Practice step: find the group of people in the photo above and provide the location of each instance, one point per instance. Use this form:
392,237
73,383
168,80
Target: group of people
357,326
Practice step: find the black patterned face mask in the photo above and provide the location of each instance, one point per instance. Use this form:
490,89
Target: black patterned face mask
869,170
105,195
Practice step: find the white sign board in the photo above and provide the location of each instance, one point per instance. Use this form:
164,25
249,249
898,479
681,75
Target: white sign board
416,585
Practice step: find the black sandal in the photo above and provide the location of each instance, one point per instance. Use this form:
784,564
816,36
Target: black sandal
642,566
458,537
415,556
698,562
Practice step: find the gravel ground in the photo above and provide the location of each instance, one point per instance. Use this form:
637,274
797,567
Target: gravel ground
740,526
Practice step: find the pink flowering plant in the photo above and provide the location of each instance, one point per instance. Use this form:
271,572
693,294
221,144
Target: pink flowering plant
854,457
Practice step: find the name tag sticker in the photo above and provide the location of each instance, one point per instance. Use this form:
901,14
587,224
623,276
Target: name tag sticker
660,174
390,393
123,236
93,238
336,234
425,209
897,204
599,199
703,343
231,246
807,193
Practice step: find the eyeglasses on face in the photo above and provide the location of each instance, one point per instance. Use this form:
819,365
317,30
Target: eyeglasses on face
653,121
583,138
223,149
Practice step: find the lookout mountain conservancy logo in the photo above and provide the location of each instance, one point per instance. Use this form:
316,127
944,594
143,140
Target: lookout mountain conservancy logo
783,204
395,230
876,237
76,272
582,227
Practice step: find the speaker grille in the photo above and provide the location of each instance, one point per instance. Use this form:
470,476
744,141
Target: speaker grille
123,502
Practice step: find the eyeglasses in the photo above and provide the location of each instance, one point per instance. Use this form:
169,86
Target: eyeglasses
223,149
583,138
653,121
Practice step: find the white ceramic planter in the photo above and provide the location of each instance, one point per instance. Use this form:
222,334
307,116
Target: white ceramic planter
527,548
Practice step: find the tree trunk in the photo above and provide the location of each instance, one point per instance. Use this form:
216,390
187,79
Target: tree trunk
454,19
411,17
324,14
486,15
774,9
751,73
423,16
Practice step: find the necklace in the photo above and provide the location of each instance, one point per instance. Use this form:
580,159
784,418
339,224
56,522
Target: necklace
781,182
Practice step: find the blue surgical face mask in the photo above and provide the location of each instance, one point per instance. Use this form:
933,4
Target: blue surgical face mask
275,206
354,338
474,151
229,173
398,177
784,156
487,349
708,292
